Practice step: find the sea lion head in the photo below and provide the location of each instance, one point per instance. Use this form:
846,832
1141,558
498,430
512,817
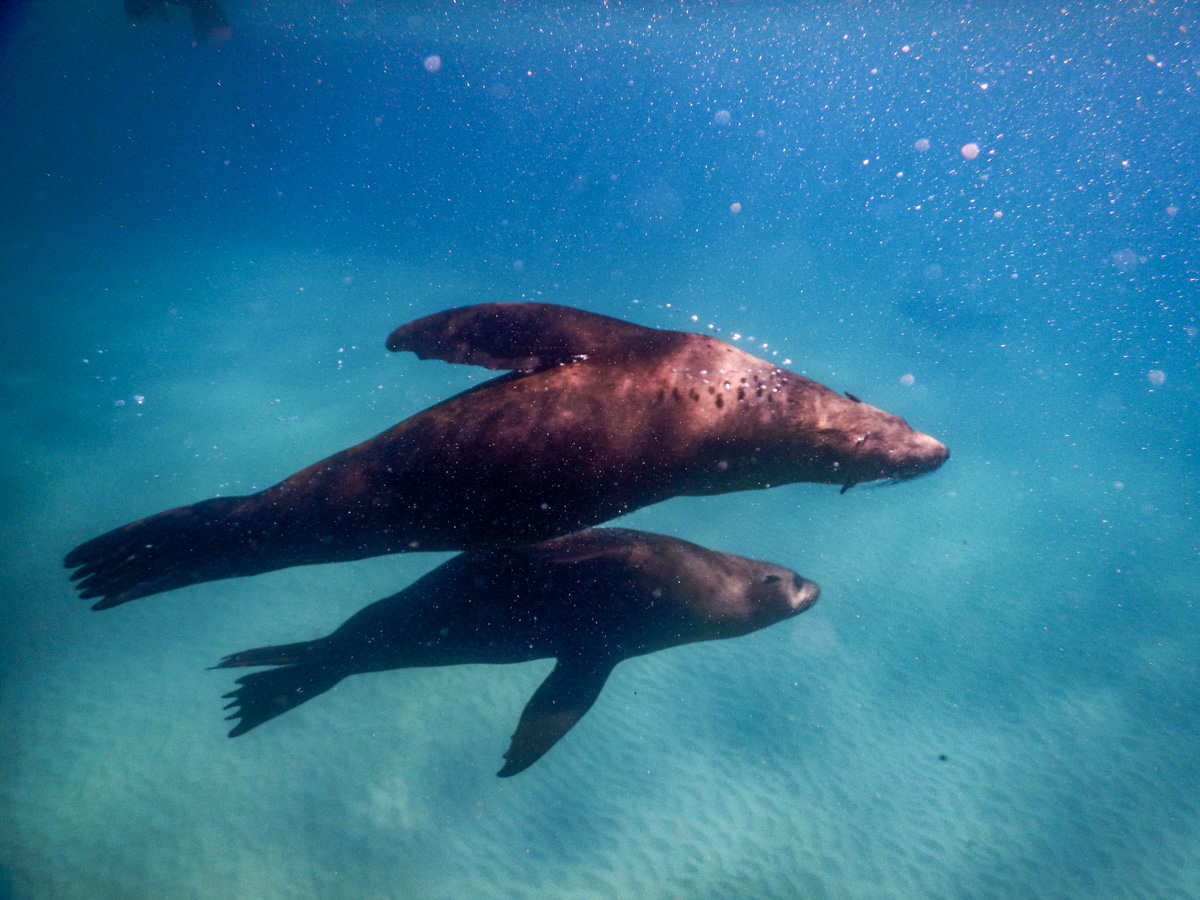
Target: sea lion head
841,440
731,595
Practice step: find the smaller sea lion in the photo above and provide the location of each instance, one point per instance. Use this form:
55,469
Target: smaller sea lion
589,599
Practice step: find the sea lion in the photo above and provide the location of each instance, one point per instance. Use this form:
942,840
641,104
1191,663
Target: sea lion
589,599
599,417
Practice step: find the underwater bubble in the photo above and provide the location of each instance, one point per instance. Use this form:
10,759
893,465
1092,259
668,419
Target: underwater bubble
1124,260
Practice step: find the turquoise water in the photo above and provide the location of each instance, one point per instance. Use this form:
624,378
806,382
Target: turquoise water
204,246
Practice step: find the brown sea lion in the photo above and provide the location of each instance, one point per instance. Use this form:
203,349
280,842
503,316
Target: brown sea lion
599,418
589,599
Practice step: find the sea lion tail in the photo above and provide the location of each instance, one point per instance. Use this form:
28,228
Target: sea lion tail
262,696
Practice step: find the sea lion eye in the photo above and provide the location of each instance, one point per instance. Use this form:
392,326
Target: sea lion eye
771,579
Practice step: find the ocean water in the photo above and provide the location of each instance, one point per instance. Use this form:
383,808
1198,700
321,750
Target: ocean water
985,221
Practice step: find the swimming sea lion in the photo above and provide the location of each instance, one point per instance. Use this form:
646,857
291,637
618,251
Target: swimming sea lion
589,599
599,418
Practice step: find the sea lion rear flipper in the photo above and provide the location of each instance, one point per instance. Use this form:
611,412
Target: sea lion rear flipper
175,548
555,707
262,696
524,336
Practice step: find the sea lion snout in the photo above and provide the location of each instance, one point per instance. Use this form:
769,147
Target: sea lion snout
891,450
929,454
898,450
805,593
777,595
925,454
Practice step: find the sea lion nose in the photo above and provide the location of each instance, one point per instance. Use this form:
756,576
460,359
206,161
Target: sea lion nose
806,594
929,452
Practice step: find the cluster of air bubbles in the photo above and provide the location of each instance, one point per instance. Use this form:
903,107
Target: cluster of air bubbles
1126,261
969,150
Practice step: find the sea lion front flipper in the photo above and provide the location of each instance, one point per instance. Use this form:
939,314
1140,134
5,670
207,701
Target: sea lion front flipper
566,694
524,336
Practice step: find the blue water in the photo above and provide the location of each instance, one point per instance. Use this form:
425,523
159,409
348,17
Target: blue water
203,247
